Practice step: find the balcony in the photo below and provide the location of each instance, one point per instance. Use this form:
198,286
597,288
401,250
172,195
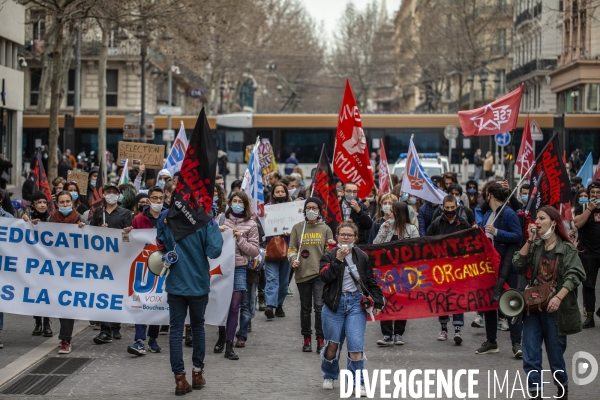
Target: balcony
533,65
524,16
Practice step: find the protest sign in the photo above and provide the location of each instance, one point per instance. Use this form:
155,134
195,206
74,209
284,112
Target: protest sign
432,276
81,178
281,217
151,155
90,273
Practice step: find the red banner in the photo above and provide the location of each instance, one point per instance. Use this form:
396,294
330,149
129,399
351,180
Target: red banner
351,156
384,172
435,275
41,181
526,157
497,117
324,190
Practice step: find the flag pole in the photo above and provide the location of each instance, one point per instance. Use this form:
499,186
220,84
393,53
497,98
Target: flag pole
513,192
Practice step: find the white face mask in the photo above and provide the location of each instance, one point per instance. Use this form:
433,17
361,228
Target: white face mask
546,235
111,198
385,209
156,207
311,215
292,191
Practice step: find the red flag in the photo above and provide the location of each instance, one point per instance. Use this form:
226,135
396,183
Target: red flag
526,157
97,200
351,156
384,173
324,190
41,181
597,174
493,118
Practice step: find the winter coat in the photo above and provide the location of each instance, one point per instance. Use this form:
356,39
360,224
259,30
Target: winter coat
248,245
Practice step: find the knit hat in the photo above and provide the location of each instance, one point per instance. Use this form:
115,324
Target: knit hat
313,200
37,195
140,196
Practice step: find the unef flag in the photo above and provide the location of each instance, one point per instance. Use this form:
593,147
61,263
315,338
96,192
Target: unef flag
41,181
526,156
177,153
384,173
416,182
193,195
493,118
324,190
252,184
351,156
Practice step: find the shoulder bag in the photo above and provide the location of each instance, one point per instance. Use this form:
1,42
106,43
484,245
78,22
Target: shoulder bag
537,297
277,249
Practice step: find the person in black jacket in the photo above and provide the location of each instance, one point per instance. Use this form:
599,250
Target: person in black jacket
348,276
356,211
28,187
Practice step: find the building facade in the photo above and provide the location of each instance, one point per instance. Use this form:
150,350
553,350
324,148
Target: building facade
12,35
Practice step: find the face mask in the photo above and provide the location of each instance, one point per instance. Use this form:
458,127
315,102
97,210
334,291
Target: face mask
111,198
93,183
339,245
524,198
156,207
450,214
412,200
45,156
65,210
215,199
120,199
471,191
74,195
583,200
311,215
404,197
237,208
292,191
280,199
386,209
161,184
457,200
548,233
349,197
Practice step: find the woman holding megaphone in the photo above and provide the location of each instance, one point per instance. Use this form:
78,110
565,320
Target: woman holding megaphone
552,259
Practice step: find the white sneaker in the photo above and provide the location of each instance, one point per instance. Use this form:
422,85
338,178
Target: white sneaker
503,324
328,384
478,322
363,391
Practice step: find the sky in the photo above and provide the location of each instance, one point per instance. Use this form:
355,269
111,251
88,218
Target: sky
330,11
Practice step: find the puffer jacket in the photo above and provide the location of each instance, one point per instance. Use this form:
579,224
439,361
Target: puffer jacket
247,246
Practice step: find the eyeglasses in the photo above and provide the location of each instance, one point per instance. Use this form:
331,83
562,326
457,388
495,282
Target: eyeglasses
312,208
346,235
155,198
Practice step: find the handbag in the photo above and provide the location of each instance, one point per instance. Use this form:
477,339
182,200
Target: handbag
277,249
256,263
537,297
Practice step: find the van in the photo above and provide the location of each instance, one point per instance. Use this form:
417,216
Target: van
433,164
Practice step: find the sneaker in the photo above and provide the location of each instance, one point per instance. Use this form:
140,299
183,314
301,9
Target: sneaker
269,312
137,349
290,294
386,341
116,335
240,342
153,345
164,330
457,338
487,348
518,353
328,384
363,391
65,347
102,338
279,312
478,322
97,326
398,340
502,324
320,344
307,346
443,336
262,304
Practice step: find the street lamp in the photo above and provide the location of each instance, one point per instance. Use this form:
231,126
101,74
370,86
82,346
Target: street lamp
142,36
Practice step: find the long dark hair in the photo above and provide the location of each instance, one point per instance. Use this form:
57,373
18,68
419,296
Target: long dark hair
401,217
66,185
279,184
244,197
560,226
222,202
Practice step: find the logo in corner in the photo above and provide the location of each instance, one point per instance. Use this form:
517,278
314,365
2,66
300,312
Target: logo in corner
141,279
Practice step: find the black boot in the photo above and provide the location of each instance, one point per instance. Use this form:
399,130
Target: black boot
229,353
47,329
188,336
589,320
37,331
221,342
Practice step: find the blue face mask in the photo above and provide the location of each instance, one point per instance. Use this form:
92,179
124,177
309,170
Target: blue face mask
583,200
412,200
93,183
237,208
120,199
74,195
471,191
404,197
525,198
65,210
215,199
161,184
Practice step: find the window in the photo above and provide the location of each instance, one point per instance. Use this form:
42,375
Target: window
112,87
71,89
539,99
501,40
501,5
38,22
501,75
34,85
593,97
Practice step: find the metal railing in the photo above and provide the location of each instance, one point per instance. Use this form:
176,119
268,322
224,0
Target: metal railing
533,65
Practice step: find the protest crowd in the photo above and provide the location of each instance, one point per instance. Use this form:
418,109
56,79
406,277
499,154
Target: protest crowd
329,253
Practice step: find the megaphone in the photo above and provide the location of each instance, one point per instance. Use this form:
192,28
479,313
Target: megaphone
511,303
155,262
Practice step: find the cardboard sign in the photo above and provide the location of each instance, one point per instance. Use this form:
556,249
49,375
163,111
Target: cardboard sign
81,178
281,218
151,155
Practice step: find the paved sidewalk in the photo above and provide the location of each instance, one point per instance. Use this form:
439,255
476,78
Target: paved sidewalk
272,366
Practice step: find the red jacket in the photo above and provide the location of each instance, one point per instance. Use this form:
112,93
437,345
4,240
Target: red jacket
142,221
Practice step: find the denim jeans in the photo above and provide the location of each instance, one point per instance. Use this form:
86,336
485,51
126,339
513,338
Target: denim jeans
491,317
393,327
349,322
178,307
477,174
591,263
538,328
277,274
110,327
140,332
457,319
247,309
311,292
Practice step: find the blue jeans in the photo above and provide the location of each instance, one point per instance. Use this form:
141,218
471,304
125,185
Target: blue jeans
349,322
278,278
247,309
457,319
178,307
140,332
538,328
477,174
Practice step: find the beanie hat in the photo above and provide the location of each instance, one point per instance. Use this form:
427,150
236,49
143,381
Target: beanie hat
313,200
37,195
140,196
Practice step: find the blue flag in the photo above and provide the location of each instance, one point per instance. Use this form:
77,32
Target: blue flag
416,182
586,173
252,184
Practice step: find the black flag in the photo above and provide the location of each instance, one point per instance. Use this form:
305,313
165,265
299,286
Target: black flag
324,189
41,181
193,195
97,200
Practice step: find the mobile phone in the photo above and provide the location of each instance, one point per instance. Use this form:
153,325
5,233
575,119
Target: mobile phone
136,163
